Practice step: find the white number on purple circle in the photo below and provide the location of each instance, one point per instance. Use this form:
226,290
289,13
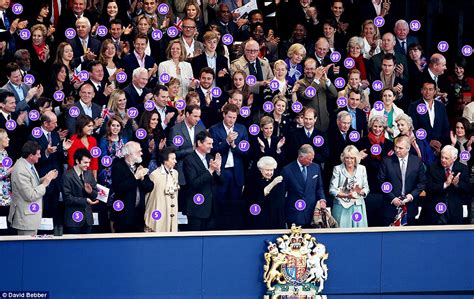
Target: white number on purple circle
296,107
354,136
300,205
157,34
102,31
310,91
106,161
178,140
268,106
421,134
255,209
379,106
156,215
341,102
465,156
7,162
376,149
165,78
10,125
227,39
121,77
70,33
274,85
84,76
377,85
36,132
335,56
163,9
180,105
198,199
415,25
216,92
339,82
96,151
349,63
386,187
118,205
132,112
25,34
356,216
34,115
74,111
172,31
251,80
244,145
140,133
441,208
77,216
58,95
254,129
149,105
34,207
29,79
379,21
421,109
17,8
318,141
466,50
245,111
443,46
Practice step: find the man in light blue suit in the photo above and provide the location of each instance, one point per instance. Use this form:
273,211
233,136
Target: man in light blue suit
304,187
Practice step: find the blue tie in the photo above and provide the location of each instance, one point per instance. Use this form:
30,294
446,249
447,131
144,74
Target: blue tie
6,22
304,173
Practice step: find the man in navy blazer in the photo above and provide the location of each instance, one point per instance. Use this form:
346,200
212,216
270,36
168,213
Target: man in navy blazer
86,107
406,174
130,61
91,48
304,187
437,129
136,92
404,40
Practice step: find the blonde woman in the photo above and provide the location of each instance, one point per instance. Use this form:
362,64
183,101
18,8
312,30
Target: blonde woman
117,107
296,54
371,38
282,87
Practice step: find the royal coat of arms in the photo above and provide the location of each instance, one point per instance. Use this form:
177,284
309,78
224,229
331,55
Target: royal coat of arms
295,266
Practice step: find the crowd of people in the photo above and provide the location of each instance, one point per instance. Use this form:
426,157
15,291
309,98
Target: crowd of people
156,116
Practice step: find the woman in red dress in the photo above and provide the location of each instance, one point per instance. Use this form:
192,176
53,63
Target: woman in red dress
83,139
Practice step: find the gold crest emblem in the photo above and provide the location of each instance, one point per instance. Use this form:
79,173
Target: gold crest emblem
295,265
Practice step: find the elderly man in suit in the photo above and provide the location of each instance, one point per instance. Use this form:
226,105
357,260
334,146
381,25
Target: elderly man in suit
252,65
407,178
358,116
27,205
404,40
435,73
136,92
86,48
69,16
86,107
79,193
304,187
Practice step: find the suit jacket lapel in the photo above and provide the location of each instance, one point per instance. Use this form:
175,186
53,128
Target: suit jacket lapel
396,167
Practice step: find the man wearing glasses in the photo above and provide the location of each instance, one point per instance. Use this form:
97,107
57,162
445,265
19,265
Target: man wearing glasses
193,47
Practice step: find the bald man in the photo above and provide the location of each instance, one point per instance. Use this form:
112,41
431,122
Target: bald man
435,73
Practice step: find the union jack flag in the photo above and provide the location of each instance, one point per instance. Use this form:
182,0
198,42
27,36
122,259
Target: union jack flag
401,218
106,113
179,24
75,76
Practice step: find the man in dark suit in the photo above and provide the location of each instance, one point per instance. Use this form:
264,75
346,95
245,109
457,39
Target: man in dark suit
130,61
80,193
339,137
434,120
19,134
84,46
210,105
304,187
435,73
86,107
137,92
68,17
358,116
130,184
102,88
404,40
388,46
448,183
168,114
202,174
224,21
406,174
321,51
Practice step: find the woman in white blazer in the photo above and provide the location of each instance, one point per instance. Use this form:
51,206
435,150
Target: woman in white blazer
389,111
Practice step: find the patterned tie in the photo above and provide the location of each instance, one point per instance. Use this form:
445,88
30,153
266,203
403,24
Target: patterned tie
404,47
304,173
308,134
84,45
6,22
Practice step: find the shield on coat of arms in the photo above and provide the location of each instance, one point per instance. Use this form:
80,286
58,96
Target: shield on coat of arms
295,269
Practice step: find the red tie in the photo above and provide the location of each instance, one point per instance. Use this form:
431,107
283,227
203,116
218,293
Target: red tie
56,13
448,172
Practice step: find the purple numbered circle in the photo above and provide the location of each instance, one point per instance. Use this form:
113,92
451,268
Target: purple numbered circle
70,33
96,152
140,133
132,112
251,80
254,129
341,102
245,111
415,25
354,136
77,216
34,207
443,46
268,106
178,140
172,31
318,141
227,39
165,78
156,215
297,107
29,79
83,76
180,105
149,105
106,161
335,56
377,85
255,209
386,187
74,111
441,208
244,145
198,199
34,115
420,134
163,9
421,109
216,92
25,34
37,132
379,106
300,204
356,216
274,85
349,63
121,77
339,82
58,96
10,125
376,149
379,21
17,8
102,31
118,205
7,162
310,91
466,50
157,34
465,156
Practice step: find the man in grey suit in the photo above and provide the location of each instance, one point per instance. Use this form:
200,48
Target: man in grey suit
28,188
79,193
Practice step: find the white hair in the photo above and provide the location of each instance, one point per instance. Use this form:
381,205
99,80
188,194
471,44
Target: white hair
138,71
267,162
399,23
451,150
129,148
84,20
